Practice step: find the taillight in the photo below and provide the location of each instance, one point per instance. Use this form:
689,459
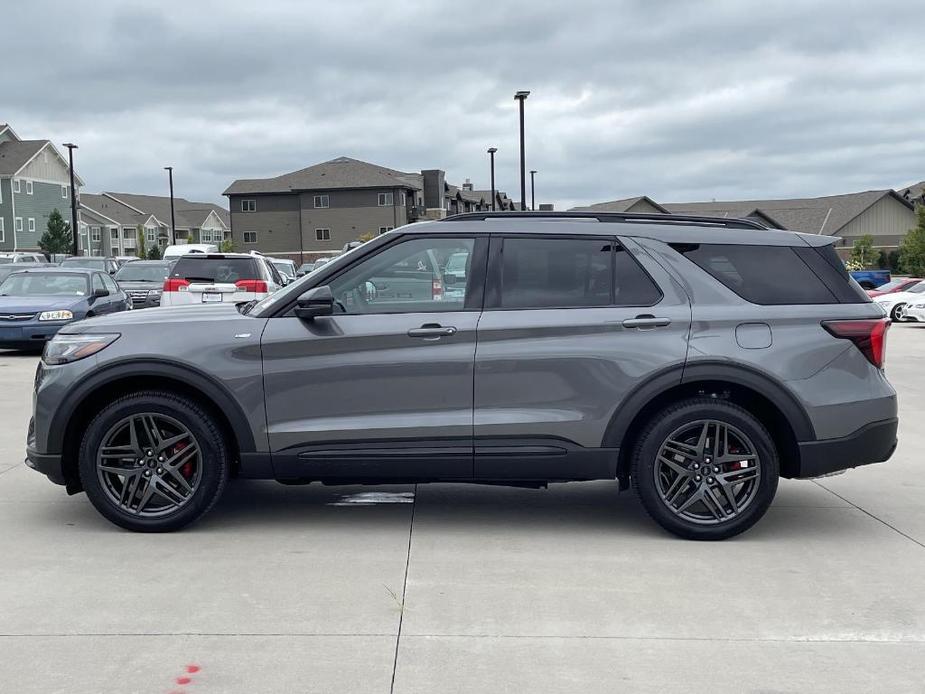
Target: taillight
175,285
257,286
436,290
869,336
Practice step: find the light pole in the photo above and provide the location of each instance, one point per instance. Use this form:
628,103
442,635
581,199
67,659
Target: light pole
532,190
521,96
173,220
74,230
491,153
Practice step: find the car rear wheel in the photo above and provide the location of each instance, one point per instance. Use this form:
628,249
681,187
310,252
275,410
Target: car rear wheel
705,469
153,462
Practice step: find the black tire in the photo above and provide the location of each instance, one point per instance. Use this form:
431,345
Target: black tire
896,314
212,463
689,413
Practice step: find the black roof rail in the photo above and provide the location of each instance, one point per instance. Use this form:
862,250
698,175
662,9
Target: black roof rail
616,217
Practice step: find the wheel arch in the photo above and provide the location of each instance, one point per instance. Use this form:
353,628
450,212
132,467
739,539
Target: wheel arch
785,418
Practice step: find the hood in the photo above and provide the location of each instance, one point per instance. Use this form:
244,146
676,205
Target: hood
140,284
34,304
158,318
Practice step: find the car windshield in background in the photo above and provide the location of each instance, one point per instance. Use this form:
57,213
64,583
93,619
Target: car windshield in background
138,272
91,263
44,284
286,268
221,270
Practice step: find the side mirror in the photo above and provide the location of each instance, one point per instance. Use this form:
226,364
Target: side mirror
100,293
314,303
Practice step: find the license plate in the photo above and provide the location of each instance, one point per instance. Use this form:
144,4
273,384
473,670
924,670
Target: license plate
10,333
208,298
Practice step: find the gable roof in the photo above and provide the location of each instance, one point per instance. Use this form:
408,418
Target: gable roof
339,173
113,209
15,154
189,215
623,205
916,191
823,215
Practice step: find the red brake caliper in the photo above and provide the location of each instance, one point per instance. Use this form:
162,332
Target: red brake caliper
187,469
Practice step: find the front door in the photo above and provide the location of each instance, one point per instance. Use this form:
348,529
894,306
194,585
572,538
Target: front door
383,388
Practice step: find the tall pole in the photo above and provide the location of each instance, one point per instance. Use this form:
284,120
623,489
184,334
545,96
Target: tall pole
173,219
521,97
491,153
75,249
532,190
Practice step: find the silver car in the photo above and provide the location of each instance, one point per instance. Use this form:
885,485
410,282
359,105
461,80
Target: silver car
697,360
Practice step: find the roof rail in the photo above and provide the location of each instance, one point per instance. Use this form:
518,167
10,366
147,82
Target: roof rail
616,217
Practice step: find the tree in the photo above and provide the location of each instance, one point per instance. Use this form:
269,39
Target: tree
154,253
912,248
893,258
141,243
57,239
863,253
226,246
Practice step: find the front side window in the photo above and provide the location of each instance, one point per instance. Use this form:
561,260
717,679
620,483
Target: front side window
408,277
321,201
248,206
250,237
385,199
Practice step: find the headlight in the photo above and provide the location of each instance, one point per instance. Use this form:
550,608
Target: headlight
56,315
63,349
919,306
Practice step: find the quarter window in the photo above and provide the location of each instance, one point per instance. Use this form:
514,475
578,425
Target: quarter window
248,206
322,234
250,237
321,201
386,199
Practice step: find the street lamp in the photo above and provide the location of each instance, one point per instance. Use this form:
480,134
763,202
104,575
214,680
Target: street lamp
491,153
173,220
74,230
532,190
521,96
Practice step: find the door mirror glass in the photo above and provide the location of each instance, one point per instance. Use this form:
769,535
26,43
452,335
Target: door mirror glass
314,303
100,292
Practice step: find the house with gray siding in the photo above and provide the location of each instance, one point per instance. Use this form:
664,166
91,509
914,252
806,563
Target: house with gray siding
34,181
315,211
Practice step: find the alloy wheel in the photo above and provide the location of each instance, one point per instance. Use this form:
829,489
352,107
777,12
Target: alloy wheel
707,472
149,465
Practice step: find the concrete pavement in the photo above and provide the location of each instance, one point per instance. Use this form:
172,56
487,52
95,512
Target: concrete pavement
571,589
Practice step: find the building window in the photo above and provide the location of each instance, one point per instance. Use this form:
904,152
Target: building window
404,200
16,188
250,237
32,224
321,201
95,234
323,234
64,192
150,235
386,199
382,230
28,187
248,206
113,233
17,224
2,230
129,233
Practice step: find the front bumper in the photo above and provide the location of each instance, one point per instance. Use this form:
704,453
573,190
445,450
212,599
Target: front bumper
49,464
915,313
29,333
873,443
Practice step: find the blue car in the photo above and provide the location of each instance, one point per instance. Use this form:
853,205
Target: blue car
36,303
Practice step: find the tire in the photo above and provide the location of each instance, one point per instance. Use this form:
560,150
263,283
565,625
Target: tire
748,469
898,314
190,472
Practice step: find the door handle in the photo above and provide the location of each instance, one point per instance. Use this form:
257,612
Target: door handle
432,331
646,321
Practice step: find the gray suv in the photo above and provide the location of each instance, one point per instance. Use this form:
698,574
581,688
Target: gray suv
695,359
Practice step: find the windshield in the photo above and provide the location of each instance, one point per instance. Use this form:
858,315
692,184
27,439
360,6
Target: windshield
918,289
139,272
285,267
891,285
44,284
92,263
215,269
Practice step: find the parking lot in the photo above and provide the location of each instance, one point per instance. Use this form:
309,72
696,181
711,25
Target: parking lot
467,589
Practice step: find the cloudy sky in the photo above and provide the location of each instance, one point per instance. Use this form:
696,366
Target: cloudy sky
678,100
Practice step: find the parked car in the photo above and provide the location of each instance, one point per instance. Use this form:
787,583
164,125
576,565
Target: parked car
23,257
204,278
143,280
286,268
697,360
915,310
899,284
305,268
121,260
895,303
91,262
9,268
37,302
174,252
871,279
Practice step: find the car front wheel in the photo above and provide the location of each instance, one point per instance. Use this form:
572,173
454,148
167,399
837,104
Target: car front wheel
153,462
898,314
705,469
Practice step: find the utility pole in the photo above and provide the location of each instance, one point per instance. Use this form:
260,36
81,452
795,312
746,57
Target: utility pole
521,96
75,249
173,219
532,190
491,153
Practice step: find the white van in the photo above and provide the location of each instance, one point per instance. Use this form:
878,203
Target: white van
172,252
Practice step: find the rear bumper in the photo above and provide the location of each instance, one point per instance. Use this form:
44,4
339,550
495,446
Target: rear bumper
873,443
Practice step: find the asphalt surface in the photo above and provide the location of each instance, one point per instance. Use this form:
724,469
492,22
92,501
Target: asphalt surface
467,589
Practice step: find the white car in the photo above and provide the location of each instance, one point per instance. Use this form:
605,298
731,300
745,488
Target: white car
915,310
180,250
206,278
20,257
895,304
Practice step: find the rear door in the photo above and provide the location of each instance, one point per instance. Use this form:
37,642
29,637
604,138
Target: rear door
572,325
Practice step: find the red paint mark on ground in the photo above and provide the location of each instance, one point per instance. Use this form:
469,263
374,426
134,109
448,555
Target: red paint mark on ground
184,680
192,668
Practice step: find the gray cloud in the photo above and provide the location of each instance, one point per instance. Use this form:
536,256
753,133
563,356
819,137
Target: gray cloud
677,100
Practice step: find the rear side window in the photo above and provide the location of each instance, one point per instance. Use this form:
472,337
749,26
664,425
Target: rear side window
213,269
571,273
774,275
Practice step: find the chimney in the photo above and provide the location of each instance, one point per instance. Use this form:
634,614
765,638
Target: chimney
434,186
467,185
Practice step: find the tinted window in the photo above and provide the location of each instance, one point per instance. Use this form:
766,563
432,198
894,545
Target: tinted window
762,274
110,284
214,269
548,273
